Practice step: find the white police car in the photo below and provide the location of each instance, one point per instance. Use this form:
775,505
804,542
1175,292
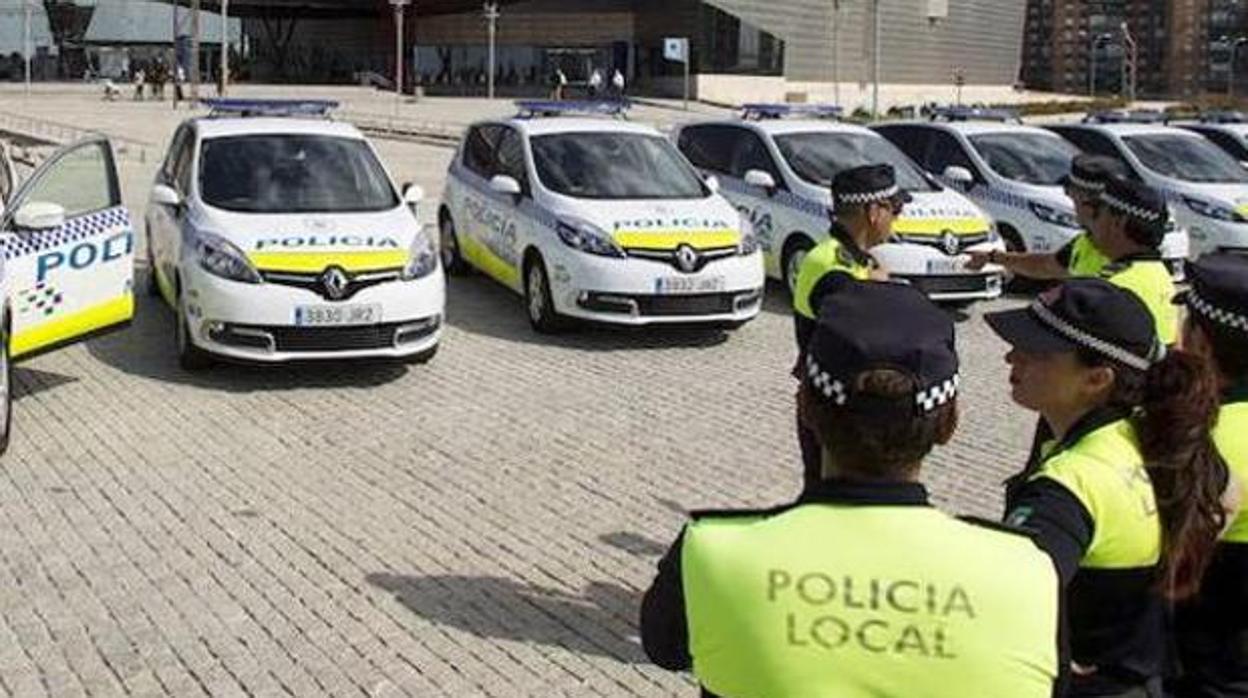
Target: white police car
1227,130
777,170
1013,171
1207,189
66,257
596,219
276,234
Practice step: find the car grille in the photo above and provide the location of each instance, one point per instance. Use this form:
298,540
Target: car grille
937,241
356,282
290,338
668,306
954,283
697,260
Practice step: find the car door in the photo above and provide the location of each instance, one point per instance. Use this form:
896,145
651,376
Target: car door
502,235
8,175
68,249
164,222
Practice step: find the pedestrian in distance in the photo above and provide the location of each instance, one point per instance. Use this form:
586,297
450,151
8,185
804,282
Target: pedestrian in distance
1128,496
595,84
179,79
140,78
1211,626
617,83
867,200
861,588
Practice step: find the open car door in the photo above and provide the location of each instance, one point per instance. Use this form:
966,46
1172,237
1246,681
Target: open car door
67,248
8,175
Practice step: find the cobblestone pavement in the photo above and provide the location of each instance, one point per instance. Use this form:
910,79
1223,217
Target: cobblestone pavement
481,525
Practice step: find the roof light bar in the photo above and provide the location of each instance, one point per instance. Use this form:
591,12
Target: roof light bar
762,110
269,107
530,108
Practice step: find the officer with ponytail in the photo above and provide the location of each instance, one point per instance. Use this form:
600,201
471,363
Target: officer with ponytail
1126,498
1212,628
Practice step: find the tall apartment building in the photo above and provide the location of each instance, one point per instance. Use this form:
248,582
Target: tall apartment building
1183,47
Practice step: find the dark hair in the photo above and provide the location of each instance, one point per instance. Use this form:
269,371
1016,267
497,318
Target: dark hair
1175,406
875,447
1229,348
1149,235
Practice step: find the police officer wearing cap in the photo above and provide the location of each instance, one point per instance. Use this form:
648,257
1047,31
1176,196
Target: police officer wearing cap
867,200
1212,628
861,588
1126,498
1080,257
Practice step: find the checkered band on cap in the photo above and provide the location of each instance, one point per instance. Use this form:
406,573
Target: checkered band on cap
1094,343
1131,209
1086,183
869,196
1215,314
836,392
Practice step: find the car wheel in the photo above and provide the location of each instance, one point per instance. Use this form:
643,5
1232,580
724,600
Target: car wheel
422,357
794,254
448,245
6,387
190,357
538,301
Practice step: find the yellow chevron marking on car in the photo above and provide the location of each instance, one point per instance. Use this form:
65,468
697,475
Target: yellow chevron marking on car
1242,210
937,226
313,262
87,320
670,239
485,260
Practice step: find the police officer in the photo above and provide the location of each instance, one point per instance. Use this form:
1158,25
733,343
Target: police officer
861,588
1212,629
1126,498
1079,257
867,200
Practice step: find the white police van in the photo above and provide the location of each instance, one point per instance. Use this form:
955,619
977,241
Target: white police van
776,163
1227,130
66,257
276,234
1206,188
1012,170
596,219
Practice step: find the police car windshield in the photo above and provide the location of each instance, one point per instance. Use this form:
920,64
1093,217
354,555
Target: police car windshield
293,173
817,156
1187,158
612,165
1030,158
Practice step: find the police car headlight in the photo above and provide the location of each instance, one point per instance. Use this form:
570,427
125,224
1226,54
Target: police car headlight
222,258
1214,211
423,259
749,238
1048,214
586,237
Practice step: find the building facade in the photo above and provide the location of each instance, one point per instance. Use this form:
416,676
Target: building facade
1184,48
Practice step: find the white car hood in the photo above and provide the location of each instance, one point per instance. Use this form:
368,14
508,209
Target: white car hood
659,223
934,212
289,241
1234,196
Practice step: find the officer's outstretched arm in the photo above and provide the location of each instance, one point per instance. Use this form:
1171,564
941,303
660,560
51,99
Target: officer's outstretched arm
664,627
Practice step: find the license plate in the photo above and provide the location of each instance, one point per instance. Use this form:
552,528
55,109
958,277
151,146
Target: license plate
947,265
688,284
320,315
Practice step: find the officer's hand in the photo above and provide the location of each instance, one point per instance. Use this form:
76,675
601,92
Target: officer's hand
878,274
976,260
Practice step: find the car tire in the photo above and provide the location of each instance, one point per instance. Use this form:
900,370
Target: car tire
6,385
538,303
422,357
790,262
448,247
190,357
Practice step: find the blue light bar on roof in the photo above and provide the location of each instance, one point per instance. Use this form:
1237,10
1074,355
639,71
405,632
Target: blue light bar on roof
1138,116
963,113
762,110
530,108
269,107
1224,117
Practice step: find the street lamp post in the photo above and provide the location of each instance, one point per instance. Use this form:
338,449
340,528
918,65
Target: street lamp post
225,46
875,63
1130,54
1097,40
26,46
399,7
1230,66
491,16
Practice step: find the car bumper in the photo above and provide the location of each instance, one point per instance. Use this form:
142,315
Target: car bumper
940,276
257,322
631,291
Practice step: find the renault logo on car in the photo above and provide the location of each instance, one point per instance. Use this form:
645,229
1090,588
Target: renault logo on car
686,259
335,282
950,242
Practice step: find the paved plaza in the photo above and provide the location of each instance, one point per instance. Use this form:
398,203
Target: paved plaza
484,524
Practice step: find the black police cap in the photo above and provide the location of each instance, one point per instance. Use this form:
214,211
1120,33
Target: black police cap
864,326
1218,293
1091,173
1084,313
1138,201
867,184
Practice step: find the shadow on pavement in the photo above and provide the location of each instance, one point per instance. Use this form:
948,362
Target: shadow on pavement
146,349
600,621
30,381
633,543
481,306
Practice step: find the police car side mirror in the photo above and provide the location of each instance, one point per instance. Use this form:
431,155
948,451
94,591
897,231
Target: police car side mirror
504,184
961,175
165,195
39,215
712,183
1243,164
413,194
760,179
